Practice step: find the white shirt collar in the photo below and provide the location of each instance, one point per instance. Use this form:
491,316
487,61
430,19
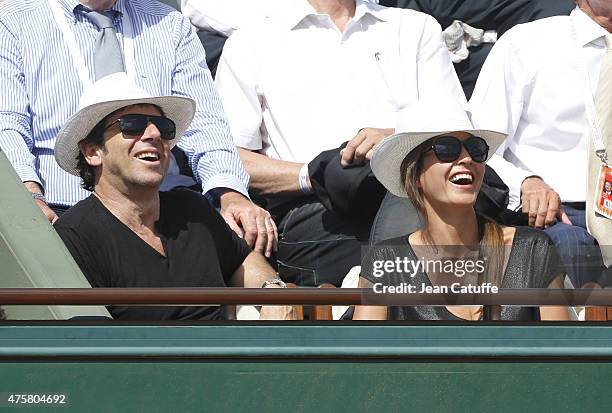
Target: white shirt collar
587,29
296,12
364,7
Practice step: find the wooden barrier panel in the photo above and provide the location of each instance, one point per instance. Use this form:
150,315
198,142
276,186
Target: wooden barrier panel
598,313
298,310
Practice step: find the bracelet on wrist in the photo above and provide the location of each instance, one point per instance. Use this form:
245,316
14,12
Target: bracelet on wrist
274,281
38,195
303,180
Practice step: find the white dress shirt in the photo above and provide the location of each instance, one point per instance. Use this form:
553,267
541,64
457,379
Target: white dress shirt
226,16
295,85
533,88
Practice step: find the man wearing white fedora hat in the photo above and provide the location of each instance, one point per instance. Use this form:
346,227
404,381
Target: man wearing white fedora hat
127,233
68,44
548,84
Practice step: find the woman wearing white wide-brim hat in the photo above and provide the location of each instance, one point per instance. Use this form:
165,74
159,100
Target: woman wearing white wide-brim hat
437,161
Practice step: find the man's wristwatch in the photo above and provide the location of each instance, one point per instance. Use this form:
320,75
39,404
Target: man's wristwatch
274,281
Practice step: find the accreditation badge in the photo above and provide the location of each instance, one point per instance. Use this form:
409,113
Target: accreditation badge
603,192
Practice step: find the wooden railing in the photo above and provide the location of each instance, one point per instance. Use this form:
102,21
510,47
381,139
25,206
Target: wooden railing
290,296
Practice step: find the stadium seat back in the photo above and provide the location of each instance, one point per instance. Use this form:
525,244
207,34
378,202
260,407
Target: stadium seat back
32,255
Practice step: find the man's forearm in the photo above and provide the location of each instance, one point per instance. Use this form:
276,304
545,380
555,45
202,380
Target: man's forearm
272,177
253,272
33,187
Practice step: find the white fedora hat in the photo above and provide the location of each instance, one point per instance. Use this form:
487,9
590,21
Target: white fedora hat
416,124
105,96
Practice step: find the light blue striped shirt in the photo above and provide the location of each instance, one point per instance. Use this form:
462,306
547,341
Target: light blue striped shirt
40,88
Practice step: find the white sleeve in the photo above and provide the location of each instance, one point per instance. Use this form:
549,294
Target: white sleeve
219,16
497,104
227,16
237,84
437,78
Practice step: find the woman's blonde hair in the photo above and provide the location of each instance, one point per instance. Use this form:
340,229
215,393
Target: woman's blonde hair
490,232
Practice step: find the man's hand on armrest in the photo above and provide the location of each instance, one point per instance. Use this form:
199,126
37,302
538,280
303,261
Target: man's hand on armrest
541,203
38,195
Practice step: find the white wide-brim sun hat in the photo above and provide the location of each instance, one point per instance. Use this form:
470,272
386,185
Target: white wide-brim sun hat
104,97
416,124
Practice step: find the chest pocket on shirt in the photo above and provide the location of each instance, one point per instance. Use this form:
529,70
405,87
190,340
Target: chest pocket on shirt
155,73
397,78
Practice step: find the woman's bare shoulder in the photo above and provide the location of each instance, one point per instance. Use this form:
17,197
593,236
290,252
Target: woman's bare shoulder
509,233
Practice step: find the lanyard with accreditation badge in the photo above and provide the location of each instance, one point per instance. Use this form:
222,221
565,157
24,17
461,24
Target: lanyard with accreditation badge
602,203
78,59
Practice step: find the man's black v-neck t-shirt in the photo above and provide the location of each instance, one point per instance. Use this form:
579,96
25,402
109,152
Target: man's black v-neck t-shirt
201,251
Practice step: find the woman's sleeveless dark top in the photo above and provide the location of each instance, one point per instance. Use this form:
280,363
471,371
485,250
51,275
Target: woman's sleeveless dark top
533,263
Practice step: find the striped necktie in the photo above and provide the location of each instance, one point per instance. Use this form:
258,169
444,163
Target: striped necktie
108,57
